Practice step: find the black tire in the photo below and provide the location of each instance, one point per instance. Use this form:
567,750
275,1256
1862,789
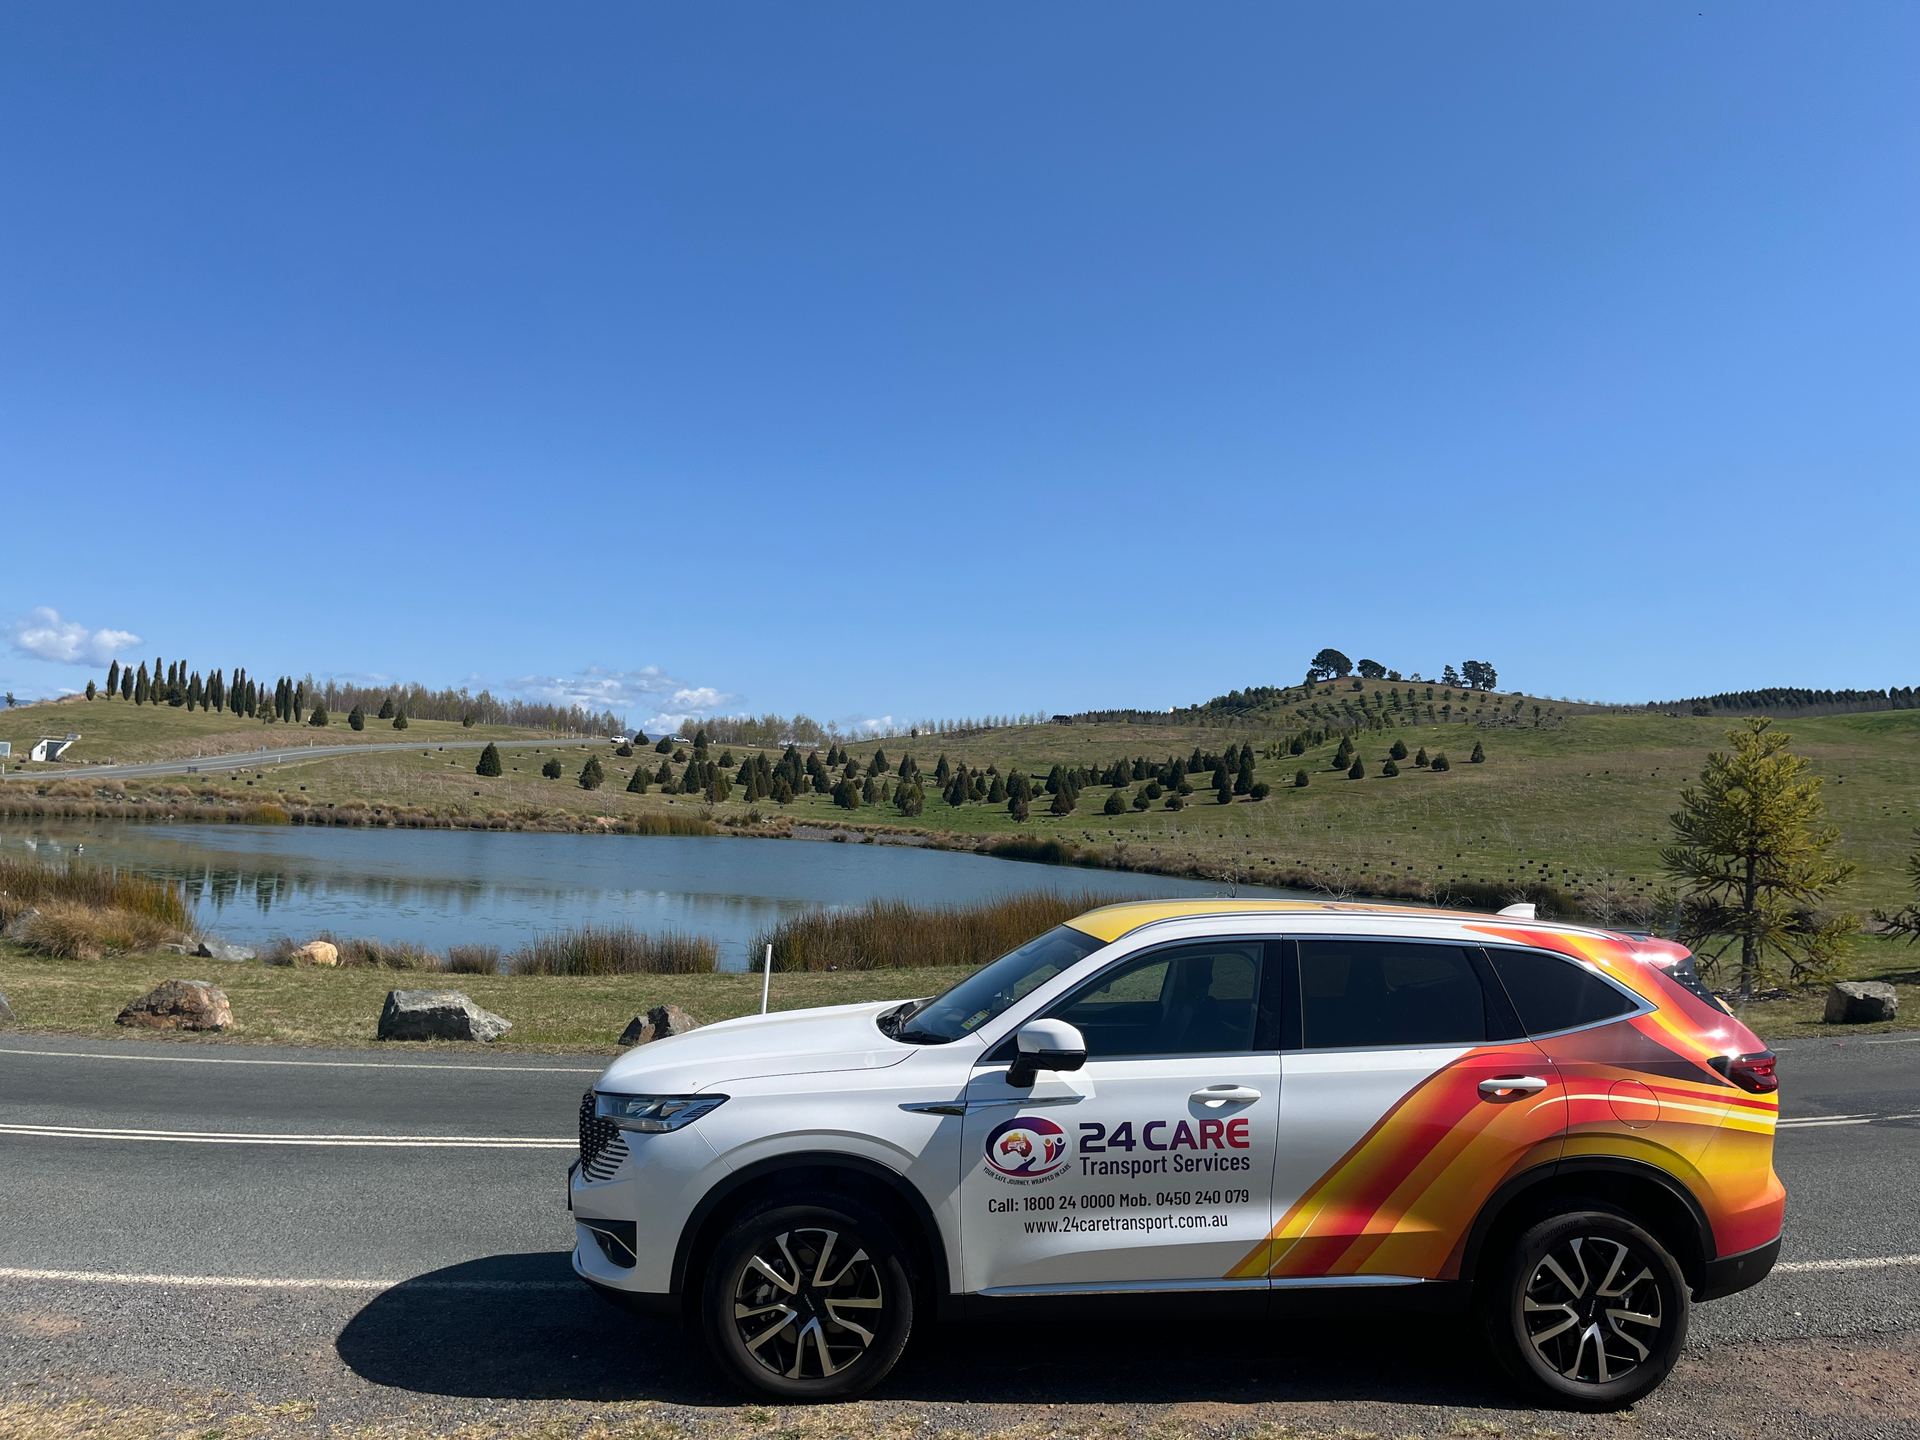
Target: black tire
1589,1311
839,1273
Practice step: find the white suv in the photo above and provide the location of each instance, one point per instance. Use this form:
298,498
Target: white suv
1265,1106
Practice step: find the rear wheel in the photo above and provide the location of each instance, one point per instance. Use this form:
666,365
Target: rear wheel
805,1303
1590,1310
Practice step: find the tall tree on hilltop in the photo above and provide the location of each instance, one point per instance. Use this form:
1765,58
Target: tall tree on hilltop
142,691
1754,849
113,679
1329,664
126,682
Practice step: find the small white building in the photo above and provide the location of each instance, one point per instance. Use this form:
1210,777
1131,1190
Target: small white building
51,747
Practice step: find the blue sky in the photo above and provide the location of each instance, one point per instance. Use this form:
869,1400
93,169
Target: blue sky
938,360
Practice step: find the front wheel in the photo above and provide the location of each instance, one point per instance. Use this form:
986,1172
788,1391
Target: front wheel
1590,1309
805,1303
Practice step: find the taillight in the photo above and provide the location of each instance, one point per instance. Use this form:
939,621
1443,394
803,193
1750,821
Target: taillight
1753,1073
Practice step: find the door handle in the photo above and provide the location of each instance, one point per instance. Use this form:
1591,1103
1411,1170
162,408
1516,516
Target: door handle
1503,1088
1217,1095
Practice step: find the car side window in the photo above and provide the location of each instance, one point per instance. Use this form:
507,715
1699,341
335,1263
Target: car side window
1553,993
1363,994
1190,1000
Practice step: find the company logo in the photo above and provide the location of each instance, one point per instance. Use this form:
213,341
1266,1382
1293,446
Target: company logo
1027,1147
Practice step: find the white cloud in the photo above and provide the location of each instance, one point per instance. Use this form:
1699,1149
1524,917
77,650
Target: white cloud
705,698
649,697
43,635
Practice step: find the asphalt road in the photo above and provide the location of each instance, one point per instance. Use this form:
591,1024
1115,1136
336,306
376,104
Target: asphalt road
369,1234
255,759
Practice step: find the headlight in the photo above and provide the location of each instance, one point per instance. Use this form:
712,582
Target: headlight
654,1114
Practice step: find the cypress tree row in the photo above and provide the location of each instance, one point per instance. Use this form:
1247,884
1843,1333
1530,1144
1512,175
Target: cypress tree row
113,679
126,683
142,691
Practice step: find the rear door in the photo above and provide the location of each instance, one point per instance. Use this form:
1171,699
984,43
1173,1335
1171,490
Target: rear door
1407,1098
1151,1167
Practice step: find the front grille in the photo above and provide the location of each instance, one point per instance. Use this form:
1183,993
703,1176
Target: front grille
602,1146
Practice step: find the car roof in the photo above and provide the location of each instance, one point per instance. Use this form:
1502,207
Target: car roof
1111,922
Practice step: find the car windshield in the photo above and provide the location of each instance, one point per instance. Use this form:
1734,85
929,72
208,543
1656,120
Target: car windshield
985,993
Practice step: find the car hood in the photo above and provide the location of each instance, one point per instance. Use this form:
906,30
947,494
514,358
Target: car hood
790,1042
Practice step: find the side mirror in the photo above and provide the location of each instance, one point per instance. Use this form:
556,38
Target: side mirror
1045,1045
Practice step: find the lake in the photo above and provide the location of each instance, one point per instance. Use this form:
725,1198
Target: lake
443,887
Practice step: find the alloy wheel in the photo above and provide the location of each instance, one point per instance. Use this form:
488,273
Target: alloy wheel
1593,1309
807,1303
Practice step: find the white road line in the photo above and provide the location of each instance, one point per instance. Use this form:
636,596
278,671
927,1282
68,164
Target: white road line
1803,1267
237,1282
231,1137
1822,1119
1817,1124
311,1064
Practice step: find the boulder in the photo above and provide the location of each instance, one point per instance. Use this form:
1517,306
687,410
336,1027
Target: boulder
18,926
317,952
657,1024
174,948
7,1017
215,950
1861,1002
180,1005
437,1015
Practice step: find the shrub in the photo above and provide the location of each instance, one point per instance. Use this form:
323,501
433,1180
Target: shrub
1479,755
1259,790
1017,807
1297,746
592,777
1440,762
357,718
1142,800
665,747
551,769
1116,803
1175,801
1063,801
1399,750
1389,769
1358,770
265,815
623,750
615,950
1224,795
68,930
400,719
466,721
473,959
489,760
1421,758
910,799
1153,790
896,934
319,717
1300,779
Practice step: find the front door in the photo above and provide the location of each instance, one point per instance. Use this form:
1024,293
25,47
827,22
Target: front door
1407,1100
1153,1165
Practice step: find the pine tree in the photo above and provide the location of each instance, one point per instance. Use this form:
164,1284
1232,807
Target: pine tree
217,691
943,772
386,709
782,790
637,785
1176,801
299,701
1063,799
113,679
870,792
1298,745
718,786
1398,750
126,682
1421,760
466,720
1359,770
1754,848
489,758
318,718
997,792
1260,790
845,796
1440,762
1300,779
141,691
877,765
726,760
90,689
1223,792
664,775
196,694
909,799
1479,755
551,769
400,718
665,747
1389,769
1017,808
1116,803
357,719
1243,782
1141,799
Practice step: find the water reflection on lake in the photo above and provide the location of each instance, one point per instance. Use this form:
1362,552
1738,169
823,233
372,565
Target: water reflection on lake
443,887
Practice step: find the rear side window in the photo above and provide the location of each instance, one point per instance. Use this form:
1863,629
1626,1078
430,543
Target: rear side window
1553,993
1359,994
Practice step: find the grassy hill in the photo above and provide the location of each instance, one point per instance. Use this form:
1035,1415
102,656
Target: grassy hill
1580,801
118,730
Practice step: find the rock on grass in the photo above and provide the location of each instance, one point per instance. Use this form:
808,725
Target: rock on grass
437,1015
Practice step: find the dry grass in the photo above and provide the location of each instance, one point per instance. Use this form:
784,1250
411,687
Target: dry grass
473,959
72,931
615,950
28,884
898,935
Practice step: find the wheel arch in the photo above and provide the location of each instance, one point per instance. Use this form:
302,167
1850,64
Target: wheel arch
809,1176
1660,1202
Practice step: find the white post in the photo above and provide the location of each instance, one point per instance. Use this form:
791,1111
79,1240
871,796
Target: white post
766,980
